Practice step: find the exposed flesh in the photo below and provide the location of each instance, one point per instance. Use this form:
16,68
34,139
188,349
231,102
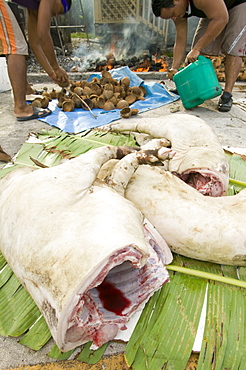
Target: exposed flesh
63,233
205,228
199,159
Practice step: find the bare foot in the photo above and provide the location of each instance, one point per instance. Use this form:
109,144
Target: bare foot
37,113
27,111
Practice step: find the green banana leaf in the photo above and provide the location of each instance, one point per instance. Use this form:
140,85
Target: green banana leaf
237,172
166,330
57,354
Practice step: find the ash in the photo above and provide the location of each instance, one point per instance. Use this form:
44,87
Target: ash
67,62
91,56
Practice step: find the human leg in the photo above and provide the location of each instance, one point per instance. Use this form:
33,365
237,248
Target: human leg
231,42
17,78
233,46
232,69
13,45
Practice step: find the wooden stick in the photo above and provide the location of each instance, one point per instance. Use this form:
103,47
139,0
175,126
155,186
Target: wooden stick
73,93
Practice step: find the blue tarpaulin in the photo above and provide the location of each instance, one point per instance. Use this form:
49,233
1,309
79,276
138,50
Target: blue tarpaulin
80,120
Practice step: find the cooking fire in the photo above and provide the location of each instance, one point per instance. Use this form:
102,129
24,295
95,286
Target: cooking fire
143,63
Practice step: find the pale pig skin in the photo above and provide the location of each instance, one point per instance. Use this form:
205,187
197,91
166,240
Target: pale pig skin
63,232
206,228
199,159
196,226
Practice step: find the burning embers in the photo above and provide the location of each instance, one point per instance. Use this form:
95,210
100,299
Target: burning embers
143,63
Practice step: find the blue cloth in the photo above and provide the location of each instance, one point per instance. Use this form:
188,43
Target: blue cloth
80,120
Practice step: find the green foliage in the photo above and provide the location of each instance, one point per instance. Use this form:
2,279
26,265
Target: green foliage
166,330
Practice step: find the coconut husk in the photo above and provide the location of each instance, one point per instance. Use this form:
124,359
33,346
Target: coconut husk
125,113
47,95
143,90
87,91
61,93
109,86
61,100
242,76
94,101
96,88
106,74
114,82
114,100
36,102
78,90
117,89
135,90
93,96
117,95
77,83
95,80
100,102
83,83
87,104
134,111
122,104
53,94
104,81
77,101
131,99
123,91
108,94
44,102
68,105
108,105
220,76
125,81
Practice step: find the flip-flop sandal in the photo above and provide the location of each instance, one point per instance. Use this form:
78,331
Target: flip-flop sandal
37,113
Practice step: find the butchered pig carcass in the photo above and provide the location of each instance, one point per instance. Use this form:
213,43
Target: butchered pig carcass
205,228
199,160
86,255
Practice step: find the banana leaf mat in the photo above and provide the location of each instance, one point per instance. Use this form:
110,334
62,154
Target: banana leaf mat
166,331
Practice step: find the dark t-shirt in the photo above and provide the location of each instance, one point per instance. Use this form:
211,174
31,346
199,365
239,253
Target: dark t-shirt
193,11
29,4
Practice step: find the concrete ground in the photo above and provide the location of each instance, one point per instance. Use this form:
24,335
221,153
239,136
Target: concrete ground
230,128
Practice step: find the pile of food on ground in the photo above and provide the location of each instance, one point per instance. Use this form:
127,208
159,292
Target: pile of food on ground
104,93
219,65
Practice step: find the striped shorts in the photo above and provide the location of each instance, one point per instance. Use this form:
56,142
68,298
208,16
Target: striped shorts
232,39
12,40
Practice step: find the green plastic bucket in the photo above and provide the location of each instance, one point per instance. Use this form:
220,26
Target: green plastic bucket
197,82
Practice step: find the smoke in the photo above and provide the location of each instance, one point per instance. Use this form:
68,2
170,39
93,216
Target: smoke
86,56
123,44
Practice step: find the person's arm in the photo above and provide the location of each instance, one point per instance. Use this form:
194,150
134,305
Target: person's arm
179,48
217,13
38,24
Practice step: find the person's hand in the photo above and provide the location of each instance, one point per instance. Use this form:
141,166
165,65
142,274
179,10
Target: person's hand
60,77
192,56
171,72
